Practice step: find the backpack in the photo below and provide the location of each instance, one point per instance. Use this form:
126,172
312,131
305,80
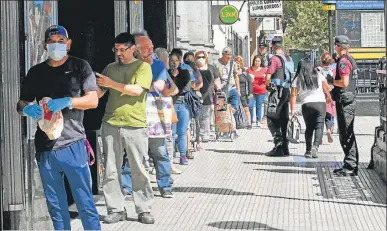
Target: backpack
294,130
288,64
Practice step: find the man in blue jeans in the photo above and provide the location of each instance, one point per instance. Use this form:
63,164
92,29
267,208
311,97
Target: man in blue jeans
157,146
71,84
229,78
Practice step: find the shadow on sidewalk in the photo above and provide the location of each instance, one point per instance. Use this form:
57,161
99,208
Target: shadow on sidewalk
241,225
218,191
296,171
242,152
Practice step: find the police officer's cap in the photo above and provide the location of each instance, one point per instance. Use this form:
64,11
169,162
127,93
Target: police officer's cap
276,41
342,39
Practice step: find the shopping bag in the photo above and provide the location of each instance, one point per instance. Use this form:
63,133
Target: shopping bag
294,130
241,118
51,123
159,116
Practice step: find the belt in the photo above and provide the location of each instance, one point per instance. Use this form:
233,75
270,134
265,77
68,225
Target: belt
179,99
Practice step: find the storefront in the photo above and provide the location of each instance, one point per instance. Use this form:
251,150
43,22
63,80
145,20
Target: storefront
22,29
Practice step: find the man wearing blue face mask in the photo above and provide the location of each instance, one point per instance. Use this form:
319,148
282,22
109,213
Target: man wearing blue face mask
71,84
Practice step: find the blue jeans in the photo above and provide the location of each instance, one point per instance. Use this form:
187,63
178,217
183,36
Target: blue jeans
126,177
257,102
71,161
180,128
158,151
233,98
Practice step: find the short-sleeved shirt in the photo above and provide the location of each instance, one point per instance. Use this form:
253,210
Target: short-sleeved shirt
193,74
275,63
311,96
259,80
159,72
224,71
72,79
124,110
208,76
344,67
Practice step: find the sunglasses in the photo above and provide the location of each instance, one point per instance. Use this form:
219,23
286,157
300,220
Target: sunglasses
201,57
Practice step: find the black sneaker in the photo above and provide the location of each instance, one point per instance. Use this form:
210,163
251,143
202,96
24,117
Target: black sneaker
146,218
167,194
276,151
285,148
346,172
314,152
308,154
112,218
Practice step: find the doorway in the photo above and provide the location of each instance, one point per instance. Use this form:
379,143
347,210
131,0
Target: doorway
90,24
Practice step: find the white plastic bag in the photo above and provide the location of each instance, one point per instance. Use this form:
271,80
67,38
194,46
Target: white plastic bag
51,123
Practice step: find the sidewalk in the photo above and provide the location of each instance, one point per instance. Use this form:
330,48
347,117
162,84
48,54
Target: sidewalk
235,186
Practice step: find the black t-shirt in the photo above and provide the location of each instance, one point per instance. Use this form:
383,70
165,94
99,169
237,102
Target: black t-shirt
208,76
72,79
182,81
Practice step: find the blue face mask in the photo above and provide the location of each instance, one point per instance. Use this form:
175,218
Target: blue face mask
56,51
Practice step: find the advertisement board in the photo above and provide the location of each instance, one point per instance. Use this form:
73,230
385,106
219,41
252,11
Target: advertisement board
260,8
360,5
365,29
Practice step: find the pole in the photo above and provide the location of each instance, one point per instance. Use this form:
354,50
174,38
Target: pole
385,22
330,22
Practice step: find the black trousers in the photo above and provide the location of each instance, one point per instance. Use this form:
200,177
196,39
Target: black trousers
314,117
345,121
280,126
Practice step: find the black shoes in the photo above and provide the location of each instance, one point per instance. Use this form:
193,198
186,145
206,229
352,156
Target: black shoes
281,148
146,218
346,172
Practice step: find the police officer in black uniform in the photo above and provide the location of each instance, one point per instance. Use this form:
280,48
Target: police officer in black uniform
344,93
278,82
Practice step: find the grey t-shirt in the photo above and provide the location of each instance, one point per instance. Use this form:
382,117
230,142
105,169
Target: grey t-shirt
224,71
71,79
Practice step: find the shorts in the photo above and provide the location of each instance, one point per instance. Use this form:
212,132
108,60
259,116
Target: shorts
245,101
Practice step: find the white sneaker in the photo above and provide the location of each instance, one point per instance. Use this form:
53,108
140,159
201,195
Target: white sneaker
259,124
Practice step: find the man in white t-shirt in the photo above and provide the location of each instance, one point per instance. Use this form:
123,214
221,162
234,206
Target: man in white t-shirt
229,81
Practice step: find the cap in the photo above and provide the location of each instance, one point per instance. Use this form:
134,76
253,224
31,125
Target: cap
263,45
56,29
342,39
276,41
227,50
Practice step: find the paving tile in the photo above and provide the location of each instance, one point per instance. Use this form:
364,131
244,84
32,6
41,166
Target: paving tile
234,186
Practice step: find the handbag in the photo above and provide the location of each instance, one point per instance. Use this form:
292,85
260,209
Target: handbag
241,118
294,130
159,115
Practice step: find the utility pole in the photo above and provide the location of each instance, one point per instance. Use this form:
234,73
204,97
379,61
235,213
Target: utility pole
330,25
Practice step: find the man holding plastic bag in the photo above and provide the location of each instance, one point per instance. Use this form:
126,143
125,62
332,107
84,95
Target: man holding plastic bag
63,86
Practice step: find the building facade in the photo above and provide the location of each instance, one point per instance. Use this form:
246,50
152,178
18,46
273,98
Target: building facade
237,35
194,32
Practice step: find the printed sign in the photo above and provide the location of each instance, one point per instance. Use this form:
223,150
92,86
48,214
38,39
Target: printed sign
260,8
360,5
229,14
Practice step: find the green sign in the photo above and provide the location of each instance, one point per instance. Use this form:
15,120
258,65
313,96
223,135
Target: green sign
229,14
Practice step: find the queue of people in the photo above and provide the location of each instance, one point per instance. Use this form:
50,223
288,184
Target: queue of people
141,85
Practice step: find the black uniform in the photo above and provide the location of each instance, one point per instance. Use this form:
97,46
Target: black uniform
278,105
345,108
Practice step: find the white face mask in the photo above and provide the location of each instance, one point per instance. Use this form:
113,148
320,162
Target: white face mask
56,51
201,61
